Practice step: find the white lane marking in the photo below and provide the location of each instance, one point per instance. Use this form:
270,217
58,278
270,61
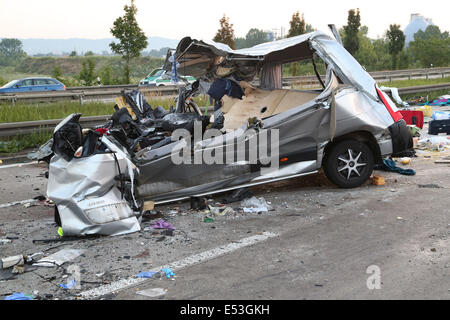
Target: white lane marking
178,265
6,205
17,165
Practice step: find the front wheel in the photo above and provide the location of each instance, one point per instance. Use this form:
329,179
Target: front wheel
348,164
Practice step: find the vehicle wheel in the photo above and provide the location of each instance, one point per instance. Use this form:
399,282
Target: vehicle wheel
349,163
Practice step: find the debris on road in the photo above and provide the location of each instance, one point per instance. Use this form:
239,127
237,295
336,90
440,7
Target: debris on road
152,293
431,186
238,195
168,272
59,258
146,274
68,286
378,180
389,165
11,261
19,296
255,205
198,203
162,224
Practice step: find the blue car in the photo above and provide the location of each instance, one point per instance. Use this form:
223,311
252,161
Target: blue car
32,85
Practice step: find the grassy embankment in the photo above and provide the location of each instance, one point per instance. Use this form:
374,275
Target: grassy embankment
32,112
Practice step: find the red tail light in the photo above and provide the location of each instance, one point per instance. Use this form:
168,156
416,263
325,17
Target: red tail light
390,106
64,87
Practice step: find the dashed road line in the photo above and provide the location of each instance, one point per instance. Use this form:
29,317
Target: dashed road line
178,265
17,165
16,203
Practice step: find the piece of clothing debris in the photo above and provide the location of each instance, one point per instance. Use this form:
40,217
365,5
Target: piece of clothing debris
162,224
146,274
389,165
228,87
169,273
19,296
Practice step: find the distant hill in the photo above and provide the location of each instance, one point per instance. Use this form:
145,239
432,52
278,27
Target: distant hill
60,46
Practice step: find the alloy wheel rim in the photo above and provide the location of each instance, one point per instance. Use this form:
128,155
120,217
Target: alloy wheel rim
349,164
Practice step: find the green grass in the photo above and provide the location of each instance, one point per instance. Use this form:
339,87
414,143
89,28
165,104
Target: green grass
414,82
60,110
431,95
20,142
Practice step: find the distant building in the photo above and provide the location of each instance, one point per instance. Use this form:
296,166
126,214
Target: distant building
417,22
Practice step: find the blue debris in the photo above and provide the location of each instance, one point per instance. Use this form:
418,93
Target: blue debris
146,274
169,273
69,285
389,165
19,296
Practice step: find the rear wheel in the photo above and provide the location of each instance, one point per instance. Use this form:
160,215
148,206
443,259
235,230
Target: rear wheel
349,163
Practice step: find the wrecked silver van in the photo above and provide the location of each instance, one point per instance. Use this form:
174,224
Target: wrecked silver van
99,178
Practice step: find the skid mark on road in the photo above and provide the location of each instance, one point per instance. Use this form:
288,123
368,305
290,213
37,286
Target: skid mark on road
179,265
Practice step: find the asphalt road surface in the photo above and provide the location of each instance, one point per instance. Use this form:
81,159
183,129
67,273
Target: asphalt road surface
319,242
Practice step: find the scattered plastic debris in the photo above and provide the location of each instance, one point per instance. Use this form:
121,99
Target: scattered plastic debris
68,286
255,205
208,220
59,258
162,224
146,274
169,273
19,296
152,293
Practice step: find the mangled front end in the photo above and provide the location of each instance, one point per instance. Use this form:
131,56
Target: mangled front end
92,187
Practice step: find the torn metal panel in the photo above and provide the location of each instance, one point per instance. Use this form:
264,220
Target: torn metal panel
86,195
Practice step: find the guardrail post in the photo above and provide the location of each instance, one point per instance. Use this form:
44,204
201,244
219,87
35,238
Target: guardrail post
427,76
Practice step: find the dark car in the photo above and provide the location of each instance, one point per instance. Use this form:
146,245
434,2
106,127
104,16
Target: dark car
32,85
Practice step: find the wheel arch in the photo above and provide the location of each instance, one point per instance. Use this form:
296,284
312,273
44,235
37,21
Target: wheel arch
362,136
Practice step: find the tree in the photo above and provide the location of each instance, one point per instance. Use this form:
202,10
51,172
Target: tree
57,73
73,54
225,34
297,25
431,32
351,40
132,39
255,36
396,41
89,53
87,73
11,52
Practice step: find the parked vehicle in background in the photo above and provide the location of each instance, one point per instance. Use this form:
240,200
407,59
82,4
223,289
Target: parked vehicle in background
32,85
161,77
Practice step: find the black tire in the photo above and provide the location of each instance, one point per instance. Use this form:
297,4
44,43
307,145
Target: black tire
360,163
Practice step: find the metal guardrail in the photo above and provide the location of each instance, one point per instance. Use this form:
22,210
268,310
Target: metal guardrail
87,93
82,94
15,128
